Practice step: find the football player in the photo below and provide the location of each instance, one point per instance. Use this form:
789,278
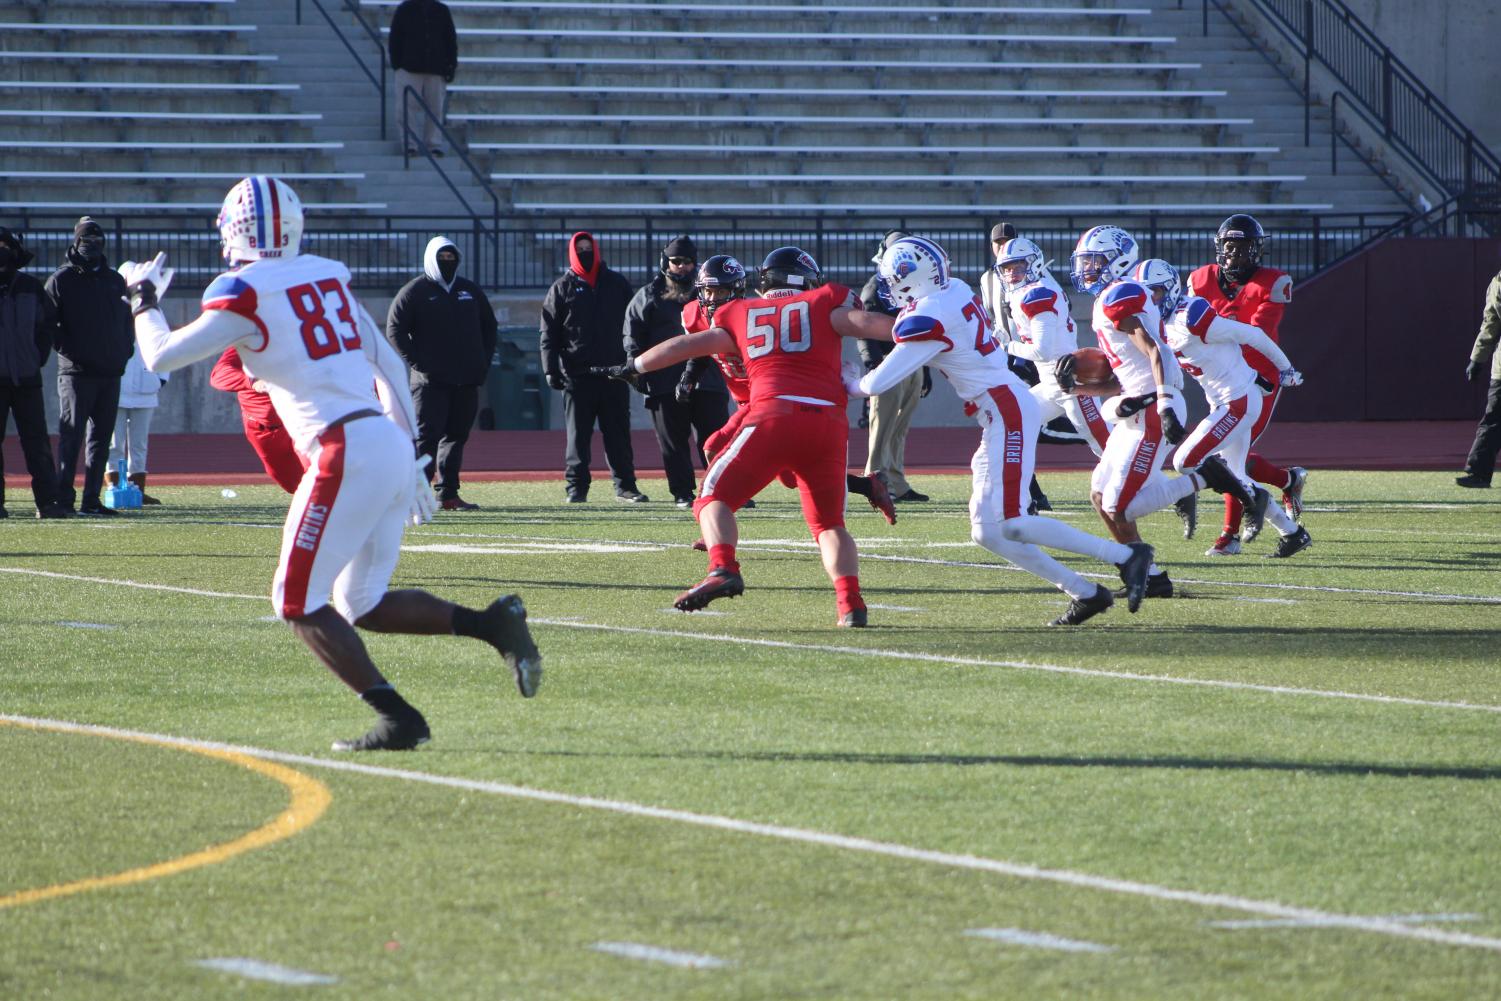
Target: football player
790,343
943,323
1148,413
1240,287
1209,347
342,393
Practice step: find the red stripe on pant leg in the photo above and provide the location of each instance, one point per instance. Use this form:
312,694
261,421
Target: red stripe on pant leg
1098,429
1143,460
1268,404
1012,450
1234,414
314,520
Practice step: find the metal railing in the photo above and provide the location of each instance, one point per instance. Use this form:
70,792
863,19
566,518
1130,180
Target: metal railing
410,141
376,77
1412,120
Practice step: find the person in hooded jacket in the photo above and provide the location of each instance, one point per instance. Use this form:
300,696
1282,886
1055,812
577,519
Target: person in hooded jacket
678,406
95,339
28,322
444,329
139,388
582,319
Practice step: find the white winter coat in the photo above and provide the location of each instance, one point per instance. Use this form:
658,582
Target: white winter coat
139,385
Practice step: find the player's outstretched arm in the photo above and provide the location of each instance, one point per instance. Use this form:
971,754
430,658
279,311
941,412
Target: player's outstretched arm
907,357
166,350
1227,331
863,324
714,341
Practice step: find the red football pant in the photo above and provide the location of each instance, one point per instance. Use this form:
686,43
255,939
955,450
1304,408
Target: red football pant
282,462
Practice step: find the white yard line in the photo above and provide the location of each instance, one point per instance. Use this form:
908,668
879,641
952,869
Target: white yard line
1407,919
255,969
999,867
927,658
657,954
1037,940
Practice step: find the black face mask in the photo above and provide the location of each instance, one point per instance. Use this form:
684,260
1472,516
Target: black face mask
586,259
91,248
7,259
448,267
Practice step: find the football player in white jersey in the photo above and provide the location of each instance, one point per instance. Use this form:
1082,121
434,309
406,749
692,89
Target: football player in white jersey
1209,348
342,392
943,323
1148,413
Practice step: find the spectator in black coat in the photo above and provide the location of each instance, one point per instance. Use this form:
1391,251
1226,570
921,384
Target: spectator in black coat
95,338
444,327
27,324
677,408
582,318
424,50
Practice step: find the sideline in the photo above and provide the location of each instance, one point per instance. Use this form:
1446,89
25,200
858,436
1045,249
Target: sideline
310,798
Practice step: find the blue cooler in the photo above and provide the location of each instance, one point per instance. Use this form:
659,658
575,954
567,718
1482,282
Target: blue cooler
126,496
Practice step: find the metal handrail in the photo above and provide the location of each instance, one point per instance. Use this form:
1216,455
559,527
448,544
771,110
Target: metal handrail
409,138
376,78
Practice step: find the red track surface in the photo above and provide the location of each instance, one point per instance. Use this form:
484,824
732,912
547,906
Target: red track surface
538,455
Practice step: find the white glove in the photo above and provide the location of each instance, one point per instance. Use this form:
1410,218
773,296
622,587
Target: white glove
851,374
424,502
1290,377
155,272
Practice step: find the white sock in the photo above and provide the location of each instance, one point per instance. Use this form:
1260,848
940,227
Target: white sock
1158,493
1279,519
1054,534
1032,560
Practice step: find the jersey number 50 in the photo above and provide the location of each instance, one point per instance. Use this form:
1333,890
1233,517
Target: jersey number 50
791,334
310,301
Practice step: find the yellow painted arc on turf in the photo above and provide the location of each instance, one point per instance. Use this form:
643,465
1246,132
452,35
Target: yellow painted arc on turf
310,798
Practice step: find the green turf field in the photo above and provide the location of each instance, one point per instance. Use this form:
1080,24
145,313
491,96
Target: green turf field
1285,784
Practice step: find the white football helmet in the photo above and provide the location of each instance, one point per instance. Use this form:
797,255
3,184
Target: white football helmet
1157,273
1103,255
261,218
914,268
1017,251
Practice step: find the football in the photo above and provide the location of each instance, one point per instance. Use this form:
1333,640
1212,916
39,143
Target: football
1092,367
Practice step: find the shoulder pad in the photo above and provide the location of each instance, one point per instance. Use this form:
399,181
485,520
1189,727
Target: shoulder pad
1282,289
230,292
1197,314
918,327
1039,299
1124,299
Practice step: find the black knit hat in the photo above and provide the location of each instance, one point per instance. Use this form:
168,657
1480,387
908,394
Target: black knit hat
13,240
682,246
86,226
1002,231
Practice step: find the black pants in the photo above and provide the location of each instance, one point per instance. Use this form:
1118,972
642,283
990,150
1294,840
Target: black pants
87,405
445,413
25,402
1482,460
701,416
589,400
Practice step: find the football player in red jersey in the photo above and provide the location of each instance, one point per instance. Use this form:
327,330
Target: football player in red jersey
790,342
1240,287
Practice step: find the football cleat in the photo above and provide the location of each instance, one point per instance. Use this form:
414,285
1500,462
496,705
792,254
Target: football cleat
1292,494
1082,609
1158,586
1134,574
390,734
506,631
722,582
1290,544
880,497
1225,545
1188,513
855,618
1255,516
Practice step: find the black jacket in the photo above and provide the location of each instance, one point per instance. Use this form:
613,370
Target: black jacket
581,324
423,40
871,352
445,335
651,319
95,334
28,322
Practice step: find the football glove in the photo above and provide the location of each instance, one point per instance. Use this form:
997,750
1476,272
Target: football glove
556,381
1172,431
850,372
625,373
1290,377
1024,368
1063,371
927,384
1131,405
1472,370
683,391
146,283
424,503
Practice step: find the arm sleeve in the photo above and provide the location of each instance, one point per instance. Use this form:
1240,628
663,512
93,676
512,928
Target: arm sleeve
489,328
228,374
907,357
1223,330
164,349
1490,323
46,327
552,359
635,325
391,381
399,324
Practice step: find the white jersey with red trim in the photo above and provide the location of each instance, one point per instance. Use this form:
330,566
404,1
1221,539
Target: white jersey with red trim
971,359
1133,369
1042,329
1210,347
309,352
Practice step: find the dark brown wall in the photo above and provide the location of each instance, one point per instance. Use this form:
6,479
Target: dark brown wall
1386,335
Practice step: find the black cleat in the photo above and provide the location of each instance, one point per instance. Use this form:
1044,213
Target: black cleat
390,734
1188,513
722,582
1292,494
1255,515
1158,586
880,497
506,631
1082,609
1134,574
1290,544
1217,477
1467,480
855,618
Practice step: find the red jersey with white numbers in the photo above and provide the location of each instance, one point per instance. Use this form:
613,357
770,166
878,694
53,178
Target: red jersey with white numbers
790,346
1261,302
695,320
